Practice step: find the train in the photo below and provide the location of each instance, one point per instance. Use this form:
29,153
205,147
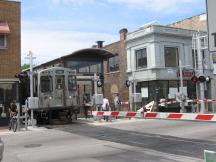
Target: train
57,95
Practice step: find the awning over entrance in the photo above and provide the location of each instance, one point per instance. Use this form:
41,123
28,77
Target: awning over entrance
4,28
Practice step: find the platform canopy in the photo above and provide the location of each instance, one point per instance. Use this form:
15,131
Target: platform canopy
91,52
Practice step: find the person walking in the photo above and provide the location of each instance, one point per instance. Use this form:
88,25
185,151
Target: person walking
86,105
117,102
105,107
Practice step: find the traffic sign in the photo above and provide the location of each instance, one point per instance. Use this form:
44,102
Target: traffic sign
211,19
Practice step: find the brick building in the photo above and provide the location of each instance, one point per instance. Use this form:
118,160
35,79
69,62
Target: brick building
198,22
115,70
10,47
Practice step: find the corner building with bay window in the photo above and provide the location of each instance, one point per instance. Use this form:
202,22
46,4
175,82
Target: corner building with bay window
153,56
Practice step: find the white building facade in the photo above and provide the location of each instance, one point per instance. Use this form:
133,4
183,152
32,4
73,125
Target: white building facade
153,56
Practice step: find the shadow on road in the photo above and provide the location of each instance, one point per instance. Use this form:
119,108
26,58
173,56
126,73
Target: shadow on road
162,143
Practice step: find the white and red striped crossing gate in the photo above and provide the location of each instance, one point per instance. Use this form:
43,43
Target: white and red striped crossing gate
202,100
156,115
180,116
124,103
126,114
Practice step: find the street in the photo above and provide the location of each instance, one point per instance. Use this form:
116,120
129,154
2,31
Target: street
121,140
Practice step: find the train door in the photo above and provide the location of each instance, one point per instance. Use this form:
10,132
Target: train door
60,90
85,91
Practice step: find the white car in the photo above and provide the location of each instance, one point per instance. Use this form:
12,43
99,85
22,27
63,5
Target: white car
1,149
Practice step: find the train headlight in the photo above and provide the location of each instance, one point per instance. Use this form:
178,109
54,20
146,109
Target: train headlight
70,97
50,97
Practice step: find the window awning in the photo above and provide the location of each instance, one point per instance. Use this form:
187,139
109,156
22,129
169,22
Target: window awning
4,28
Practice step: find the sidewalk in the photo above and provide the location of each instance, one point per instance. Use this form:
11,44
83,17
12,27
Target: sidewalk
6,131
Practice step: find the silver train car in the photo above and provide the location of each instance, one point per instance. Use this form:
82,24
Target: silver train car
56,89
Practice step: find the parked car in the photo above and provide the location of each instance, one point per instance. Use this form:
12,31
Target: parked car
1,149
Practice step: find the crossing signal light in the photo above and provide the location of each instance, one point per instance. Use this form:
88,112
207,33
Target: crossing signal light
99,83
22,76
202,79
101,77
208,79
127,83
194,79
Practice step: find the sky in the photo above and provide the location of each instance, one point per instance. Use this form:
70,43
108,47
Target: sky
54,28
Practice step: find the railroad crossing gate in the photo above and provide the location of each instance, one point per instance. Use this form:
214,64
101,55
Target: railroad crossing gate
211,17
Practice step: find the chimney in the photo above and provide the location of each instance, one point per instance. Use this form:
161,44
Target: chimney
123,34
100,44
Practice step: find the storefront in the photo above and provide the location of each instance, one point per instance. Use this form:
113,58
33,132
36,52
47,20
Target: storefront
154,55
9,92
157,89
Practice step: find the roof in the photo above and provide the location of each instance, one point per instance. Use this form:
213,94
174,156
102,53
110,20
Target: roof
104,54
83,53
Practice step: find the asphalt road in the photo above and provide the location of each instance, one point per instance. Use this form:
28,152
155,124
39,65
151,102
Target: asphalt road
121,140
183,138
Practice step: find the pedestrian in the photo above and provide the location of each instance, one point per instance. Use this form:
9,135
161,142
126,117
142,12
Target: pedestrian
117,102
86,105
163,101
105,107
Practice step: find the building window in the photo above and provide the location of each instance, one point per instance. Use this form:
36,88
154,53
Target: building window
195,58
113,64
171,56
2,41
8,92
141,58
85,66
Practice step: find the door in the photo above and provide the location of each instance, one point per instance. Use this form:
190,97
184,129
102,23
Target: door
60,90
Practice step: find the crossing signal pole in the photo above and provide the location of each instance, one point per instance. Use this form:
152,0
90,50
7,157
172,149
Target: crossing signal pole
199,44
30,57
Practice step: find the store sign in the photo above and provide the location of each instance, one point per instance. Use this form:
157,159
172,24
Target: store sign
211,19
185,73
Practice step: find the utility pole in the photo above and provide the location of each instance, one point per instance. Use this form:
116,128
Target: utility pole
134,90
30,57
181,85
95,83
199,47
200,67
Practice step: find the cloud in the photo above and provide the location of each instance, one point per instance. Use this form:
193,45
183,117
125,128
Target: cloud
76,2
164,6
47,44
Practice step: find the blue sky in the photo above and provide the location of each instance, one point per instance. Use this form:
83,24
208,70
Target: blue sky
53,28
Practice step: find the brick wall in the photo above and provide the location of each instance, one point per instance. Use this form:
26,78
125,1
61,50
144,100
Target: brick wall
198,22
10,58
115,81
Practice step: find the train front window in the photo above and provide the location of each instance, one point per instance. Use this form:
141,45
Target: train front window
46,84
59,83
71,83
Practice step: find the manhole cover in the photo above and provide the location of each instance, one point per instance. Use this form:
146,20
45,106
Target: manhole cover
32,145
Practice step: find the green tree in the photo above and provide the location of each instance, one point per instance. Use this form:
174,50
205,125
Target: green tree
25,66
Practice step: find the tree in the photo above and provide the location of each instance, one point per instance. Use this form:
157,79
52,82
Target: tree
25,66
